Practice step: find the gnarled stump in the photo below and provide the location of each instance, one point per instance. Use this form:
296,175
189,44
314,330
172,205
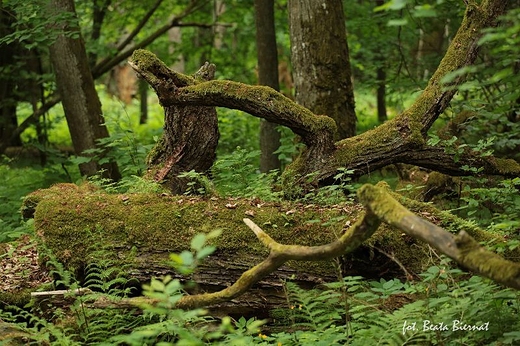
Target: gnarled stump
190,137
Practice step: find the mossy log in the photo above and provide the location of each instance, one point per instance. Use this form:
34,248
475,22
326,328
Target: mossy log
81,224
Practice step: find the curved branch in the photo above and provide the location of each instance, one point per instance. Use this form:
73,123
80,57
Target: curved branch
174,88
279,254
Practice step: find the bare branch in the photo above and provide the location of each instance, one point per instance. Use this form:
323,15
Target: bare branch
108,63
349,241
139,26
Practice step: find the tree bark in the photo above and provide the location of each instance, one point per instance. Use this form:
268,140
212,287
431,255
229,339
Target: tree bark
381,75
267,56
320,60
190,136
79,97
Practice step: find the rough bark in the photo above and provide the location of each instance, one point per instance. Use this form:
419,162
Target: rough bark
381,74
79,97
267,56
320,60
190,136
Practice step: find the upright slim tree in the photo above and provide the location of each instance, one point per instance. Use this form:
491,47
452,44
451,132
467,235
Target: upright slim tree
8,120
267,55
320,60
76,87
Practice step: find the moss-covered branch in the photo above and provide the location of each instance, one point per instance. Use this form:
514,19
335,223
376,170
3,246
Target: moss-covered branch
461,248
280,254
175,88
401,140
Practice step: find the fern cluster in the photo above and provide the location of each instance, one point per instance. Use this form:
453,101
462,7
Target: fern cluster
352,311
444,308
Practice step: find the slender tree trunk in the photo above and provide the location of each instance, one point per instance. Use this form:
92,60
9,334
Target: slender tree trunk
381,94
320,59
143,101
381,76
267,55
98,16
8,120
79,97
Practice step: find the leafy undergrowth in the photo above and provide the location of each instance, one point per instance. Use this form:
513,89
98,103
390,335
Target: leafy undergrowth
446,307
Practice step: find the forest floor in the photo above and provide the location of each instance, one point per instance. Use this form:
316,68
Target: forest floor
20,267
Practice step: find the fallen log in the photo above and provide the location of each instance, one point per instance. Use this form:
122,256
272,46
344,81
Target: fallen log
81,225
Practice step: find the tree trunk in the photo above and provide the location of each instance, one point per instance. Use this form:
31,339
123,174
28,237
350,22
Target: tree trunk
143,101
79,97
381,93
8,102
267,55
190,137
381,75
320,60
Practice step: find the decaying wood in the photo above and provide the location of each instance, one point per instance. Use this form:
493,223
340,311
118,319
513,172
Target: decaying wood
400,140
380,206
190,137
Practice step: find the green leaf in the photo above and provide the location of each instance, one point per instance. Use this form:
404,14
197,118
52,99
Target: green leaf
397,22
424,11
198,241
77,160
214,234
394,5
205,252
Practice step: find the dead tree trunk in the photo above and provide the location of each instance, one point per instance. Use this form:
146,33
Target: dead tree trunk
190,137
81,226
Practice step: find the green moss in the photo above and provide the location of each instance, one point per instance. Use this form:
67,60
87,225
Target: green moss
145,59
158,225
507,166
287,111
485,261
16,298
